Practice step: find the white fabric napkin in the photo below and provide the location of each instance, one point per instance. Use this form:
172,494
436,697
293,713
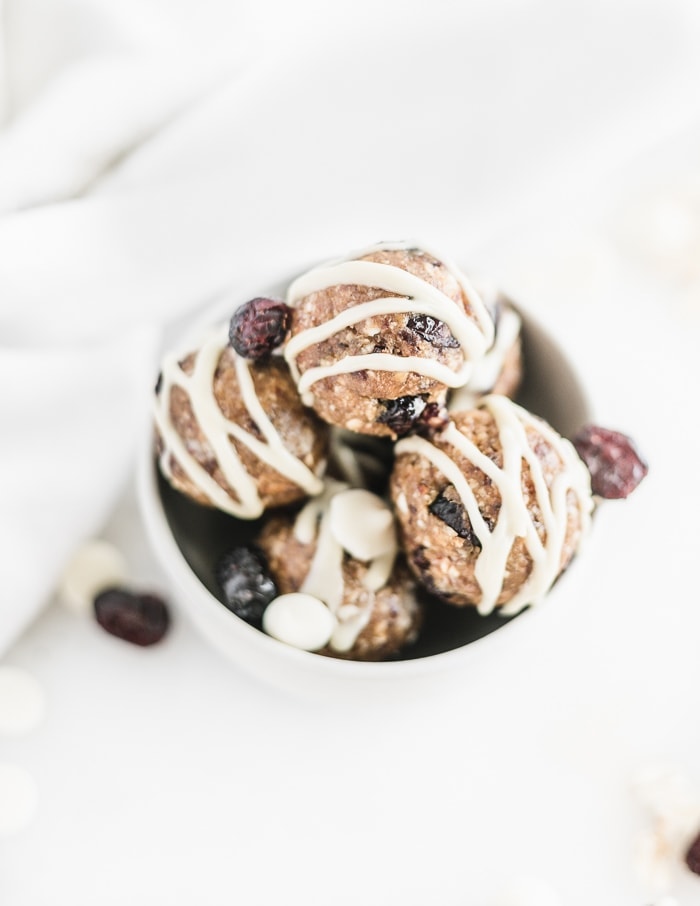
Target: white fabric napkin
74,377
174,152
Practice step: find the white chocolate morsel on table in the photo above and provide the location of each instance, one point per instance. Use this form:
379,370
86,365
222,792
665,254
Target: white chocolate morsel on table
514,519
409,293
218,431
22,701
300,620
666,792
672,805
94,567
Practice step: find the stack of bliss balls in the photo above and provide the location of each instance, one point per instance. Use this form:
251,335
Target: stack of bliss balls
369,421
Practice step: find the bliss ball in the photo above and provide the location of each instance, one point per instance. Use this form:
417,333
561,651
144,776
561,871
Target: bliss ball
492,508
233,433
377,338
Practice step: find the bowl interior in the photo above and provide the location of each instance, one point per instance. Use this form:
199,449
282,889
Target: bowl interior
551,389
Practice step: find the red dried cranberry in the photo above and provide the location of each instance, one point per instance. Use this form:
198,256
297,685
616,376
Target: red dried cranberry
258,327
452,513
692,856
432,419
614,462
139,619
436,332
400,414
242,574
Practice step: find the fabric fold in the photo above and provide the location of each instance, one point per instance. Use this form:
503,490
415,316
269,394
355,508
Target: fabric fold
69,420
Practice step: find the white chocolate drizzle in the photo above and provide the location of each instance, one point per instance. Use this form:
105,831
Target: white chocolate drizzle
342,518
488,369
409,294
218,431
514,519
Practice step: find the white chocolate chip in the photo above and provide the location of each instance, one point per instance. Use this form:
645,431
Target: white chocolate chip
362,524
673,808
667,793
94,567
300,620
654,859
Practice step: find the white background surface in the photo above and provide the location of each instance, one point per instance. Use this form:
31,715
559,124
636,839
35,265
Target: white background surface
553,147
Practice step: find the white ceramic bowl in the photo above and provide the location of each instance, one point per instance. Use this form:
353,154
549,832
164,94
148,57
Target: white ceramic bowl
188,540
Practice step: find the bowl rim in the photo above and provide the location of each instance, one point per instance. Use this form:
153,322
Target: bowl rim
192,594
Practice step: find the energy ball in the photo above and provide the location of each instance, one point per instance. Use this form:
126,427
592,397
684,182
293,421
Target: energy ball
491,509
233,434
377,339
341,550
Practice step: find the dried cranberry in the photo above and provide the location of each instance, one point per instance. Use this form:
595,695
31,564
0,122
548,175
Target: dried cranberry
419,560
400,414
139,619
258,327
432,419
692,856
615,465
452,513
436,332
242,574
